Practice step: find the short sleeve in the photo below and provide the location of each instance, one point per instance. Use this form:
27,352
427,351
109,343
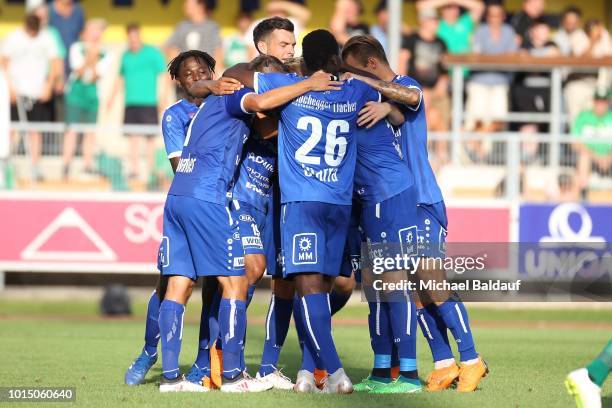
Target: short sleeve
266,82
234,103
173,132
412,84
175,38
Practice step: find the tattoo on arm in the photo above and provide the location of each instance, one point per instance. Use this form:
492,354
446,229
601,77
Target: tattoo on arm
397,93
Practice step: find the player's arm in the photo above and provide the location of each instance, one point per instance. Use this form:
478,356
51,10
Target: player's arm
319,81
174,137
404,95
374,112
221,86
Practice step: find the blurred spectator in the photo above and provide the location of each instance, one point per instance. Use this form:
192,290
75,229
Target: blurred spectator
425,52
532,10
141,67
487,92
236,46
68,19
89,62
346,21
297,13
594,155
31,61
456,28
196,32
379,31
581,86
42,12
531,91
570,30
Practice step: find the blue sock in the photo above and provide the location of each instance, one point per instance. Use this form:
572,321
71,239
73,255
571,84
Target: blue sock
337,301
381,337
456,319
250,293
244,336
317,318
232,325
403,323
152,325
308,359
277,326
203,357
171,331
435,333
213,320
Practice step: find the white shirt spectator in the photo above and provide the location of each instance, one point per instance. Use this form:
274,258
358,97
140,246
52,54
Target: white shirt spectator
30,60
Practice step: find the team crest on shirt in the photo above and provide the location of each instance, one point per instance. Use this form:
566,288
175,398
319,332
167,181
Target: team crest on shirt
408,239
305,248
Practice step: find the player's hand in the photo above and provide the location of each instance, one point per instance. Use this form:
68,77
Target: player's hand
372,113
322,81
347,75
225,86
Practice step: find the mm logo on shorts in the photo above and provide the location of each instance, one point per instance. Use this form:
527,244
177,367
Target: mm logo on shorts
163,257
408,241
305,248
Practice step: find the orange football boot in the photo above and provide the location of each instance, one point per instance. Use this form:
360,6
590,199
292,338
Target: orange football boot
320,377
394,372
216,366
442,378
471,374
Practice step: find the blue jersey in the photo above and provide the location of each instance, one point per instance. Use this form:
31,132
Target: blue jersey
254,180
380,172
175,122
317,145
414,147
212,149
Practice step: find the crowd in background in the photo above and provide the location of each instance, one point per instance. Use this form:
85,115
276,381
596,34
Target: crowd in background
54,62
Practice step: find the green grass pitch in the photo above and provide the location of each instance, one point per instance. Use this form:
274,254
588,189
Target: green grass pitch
65,343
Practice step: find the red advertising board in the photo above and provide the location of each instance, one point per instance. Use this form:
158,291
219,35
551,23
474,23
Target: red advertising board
80,232
120,232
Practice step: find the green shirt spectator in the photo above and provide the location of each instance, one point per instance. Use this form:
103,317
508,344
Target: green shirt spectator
590,125
457,36
140,70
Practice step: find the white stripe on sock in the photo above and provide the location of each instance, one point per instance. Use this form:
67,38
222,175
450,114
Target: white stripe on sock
269,317
377,313
312,336
409,315
328,304
426,327
377,210
460,318
182,321
232,317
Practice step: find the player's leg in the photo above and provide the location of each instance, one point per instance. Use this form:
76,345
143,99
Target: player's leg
448,308
341,292
278,317
201,368
318,245
585,383
139,368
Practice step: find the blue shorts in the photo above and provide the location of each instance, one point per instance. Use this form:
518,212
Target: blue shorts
251,223
394,222
272,238
351,261
432,232
313,237
200,239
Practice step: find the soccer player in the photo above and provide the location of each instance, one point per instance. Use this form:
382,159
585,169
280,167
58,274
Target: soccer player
445,311
584,384
190,69
317,153
200,236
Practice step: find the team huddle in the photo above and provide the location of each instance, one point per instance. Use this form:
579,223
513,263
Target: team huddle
286,167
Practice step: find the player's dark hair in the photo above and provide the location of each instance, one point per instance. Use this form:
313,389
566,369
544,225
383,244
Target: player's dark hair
571,10
32,22
265,28
133,26
262,62
362,47
321,52
174,66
